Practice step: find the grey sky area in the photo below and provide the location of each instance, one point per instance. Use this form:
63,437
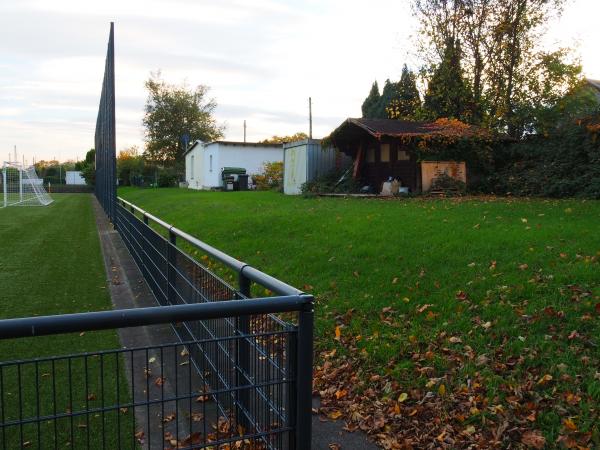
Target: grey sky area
261,58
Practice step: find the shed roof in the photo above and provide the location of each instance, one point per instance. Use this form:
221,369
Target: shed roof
379,128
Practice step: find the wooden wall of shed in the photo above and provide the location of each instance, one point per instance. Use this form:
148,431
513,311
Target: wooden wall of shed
376,171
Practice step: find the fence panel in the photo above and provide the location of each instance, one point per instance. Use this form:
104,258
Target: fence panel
176,278
173,395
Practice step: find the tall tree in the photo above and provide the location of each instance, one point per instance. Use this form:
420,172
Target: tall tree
407,101
448,93
172,112
503,59
389,95
371,103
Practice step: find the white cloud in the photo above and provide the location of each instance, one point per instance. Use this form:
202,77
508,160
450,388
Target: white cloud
262,59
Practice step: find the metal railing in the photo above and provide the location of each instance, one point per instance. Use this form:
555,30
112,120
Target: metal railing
158,396
176,278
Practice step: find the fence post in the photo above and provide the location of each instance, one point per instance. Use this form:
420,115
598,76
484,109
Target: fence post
171,264
304,367
243,354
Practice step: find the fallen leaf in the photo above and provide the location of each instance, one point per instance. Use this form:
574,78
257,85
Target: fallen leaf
402,397
533,439
545,379
338,333
335,414
169,418
341,393
442,389
139,436
570,424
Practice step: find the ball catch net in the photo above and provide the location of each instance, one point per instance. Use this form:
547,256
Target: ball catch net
20,186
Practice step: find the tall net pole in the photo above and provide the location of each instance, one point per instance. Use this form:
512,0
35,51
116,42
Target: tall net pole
105,140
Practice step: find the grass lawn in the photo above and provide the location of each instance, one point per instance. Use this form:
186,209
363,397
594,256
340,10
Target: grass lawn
462,321
50,263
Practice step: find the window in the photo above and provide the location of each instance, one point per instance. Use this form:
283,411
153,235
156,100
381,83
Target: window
210,163
371,155
192,170
403,155
385,152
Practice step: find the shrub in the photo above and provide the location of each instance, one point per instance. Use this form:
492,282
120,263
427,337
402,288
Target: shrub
332,182
563,164
446,183
271,177
167,177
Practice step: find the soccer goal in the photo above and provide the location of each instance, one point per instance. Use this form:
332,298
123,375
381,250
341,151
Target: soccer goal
22,187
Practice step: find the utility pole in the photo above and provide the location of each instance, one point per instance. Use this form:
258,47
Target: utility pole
309,118
244,131
16,154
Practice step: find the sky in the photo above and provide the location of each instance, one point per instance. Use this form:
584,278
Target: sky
262,59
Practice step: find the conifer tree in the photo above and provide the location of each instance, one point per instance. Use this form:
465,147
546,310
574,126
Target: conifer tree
407,101
448,93
371,102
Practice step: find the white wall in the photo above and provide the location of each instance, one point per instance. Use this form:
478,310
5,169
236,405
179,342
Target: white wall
212,167
249,157
74,177
193,167
210,158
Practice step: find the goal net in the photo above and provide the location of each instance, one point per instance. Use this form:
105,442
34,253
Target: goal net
22,187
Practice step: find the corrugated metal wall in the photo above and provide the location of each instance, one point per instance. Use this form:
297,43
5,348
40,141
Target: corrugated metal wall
308,158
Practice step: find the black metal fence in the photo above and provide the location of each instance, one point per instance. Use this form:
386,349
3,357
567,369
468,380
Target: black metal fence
176,395
105,136
176,278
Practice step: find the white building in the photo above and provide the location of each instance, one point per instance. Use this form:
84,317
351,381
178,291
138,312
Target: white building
204,161
74,177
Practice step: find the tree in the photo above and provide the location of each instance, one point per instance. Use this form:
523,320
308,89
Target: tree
371,103
389,96
503,58
407,103
88,169
448,93
171,112
130,166
300,136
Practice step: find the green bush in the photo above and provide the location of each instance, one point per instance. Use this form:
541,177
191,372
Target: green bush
167,177
271,177
563,164
335,181
451,185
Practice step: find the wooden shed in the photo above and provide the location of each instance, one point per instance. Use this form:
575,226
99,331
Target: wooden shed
383,148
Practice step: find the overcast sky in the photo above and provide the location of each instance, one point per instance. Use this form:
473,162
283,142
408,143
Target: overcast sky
261,58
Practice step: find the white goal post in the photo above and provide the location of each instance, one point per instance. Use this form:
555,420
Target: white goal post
22,187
